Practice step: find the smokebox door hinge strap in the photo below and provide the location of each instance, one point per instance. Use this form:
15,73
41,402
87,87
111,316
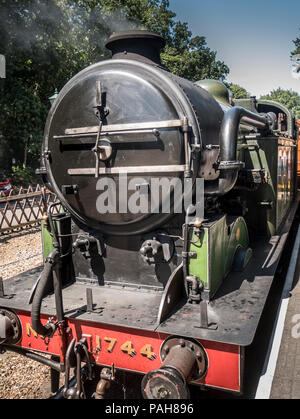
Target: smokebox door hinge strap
97,150
102,110
101,113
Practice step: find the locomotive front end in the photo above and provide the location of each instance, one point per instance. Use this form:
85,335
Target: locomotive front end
128,122
148,265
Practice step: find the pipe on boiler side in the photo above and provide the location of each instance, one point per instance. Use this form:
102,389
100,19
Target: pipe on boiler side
229,166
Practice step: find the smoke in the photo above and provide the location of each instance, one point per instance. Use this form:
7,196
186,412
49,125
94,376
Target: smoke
25,24
117,21
108,22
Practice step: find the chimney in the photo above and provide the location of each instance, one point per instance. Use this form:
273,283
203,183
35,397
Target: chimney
136,45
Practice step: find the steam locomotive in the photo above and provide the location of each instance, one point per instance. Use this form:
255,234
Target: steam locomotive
174,291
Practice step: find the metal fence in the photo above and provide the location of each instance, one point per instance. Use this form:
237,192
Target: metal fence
24,208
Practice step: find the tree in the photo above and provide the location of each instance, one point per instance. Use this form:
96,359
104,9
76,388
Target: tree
295,57
289,98
184,55
238,92
297,47
194,62
46,42
30,34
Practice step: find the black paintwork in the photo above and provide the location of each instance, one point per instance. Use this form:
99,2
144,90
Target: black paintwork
122,262
135,92
138,45
236,308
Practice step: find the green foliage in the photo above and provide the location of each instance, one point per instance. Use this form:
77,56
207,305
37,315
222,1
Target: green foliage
195,62
295,58
289,98
297,46
23,176
238,92
21,120
46,42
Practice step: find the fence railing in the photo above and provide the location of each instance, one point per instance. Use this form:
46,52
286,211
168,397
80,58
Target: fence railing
24,208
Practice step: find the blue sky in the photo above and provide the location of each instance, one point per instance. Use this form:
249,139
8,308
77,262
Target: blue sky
254,38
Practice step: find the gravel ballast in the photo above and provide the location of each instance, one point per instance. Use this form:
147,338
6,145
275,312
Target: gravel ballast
23,378
20,377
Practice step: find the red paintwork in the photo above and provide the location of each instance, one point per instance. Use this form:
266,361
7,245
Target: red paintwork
224,359
298,151
2,186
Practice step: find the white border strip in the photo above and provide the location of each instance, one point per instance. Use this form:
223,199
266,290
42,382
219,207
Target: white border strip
263,390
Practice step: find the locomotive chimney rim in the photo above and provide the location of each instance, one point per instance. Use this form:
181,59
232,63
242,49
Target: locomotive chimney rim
137,45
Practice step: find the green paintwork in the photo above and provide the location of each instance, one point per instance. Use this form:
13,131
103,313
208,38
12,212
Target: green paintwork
276,155
47,241
289,114
278,161
215,88
199,266
219,242
253,105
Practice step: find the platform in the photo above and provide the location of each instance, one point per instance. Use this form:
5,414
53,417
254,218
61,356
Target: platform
286,381
280,376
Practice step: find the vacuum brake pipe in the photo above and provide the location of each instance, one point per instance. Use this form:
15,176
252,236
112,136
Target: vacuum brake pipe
36,357
50,263
229,166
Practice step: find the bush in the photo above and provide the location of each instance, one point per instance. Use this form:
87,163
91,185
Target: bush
23,176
